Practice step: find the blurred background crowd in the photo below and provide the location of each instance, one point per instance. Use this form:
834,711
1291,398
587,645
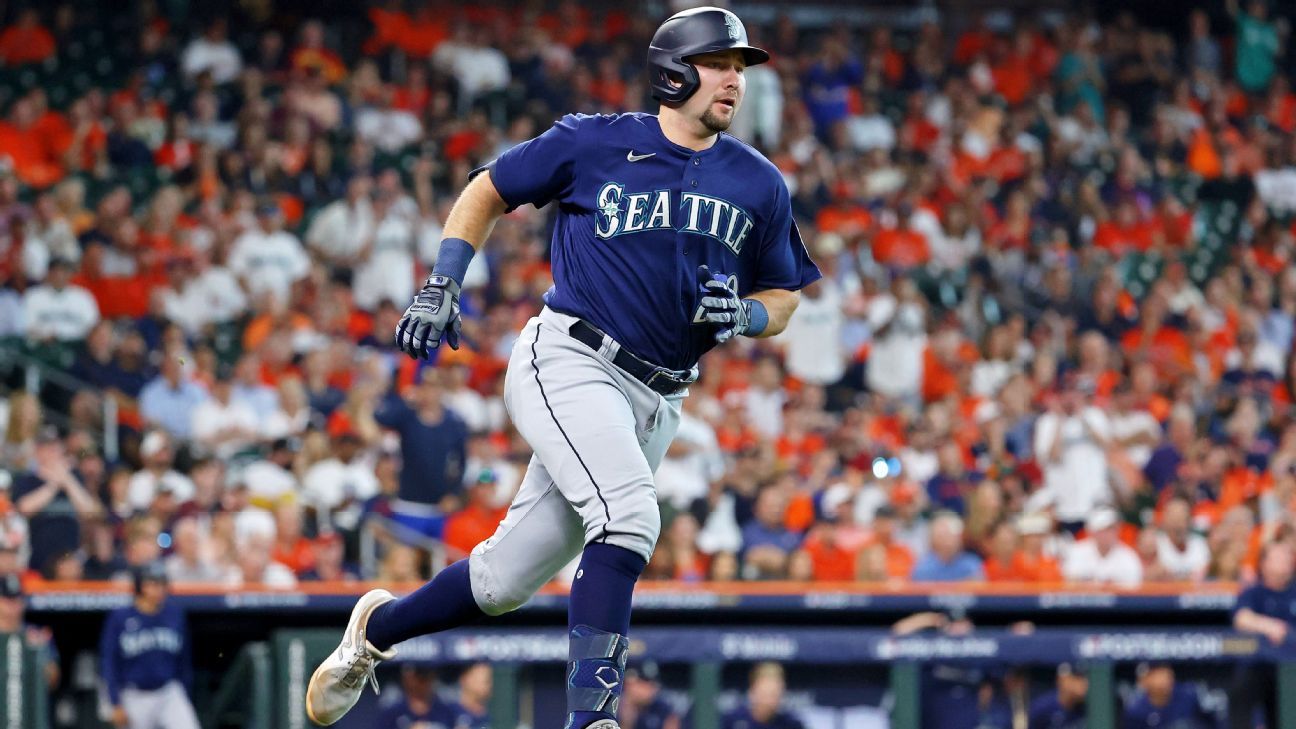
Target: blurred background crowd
1054,341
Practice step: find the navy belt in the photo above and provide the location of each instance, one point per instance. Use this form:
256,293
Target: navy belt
659,379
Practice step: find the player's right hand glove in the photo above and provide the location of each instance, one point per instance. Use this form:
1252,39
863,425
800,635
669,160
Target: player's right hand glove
721,306
435,312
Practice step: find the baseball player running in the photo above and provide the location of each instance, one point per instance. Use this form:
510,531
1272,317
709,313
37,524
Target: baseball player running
144,654
671,237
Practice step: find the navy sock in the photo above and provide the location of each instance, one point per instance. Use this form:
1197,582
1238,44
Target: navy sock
445,602
600,599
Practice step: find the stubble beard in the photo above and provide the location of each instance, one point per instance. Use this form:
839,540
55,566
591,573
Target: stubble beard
715,123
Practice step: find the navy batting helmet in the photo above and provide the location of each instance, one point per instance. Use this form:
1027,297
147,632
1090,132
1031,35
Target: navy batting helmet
691,33
151,572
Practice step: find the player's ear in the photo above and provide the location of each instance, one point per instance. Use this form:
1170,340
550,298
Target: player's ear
674,79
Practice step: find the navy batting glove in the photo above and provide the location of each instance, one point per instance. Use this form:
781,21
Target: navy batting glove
434,313
721,305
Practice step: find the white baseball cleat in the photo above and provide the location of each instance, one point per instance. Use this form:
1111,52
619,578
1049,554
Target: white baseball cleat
604,724
336,685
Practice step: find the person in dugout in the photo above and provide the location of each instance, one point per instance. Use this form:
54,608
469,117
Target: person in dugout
1268,608
1064,707
642,704
144,655
1161,702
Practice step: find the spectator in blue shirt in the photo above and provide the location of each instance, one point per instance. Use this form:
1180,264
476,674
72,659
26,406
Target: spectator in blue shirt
1268,608
764,707
1162,702
53,500
946,560
250,390
434,448
827,85
1065,707
767,543
1162,468
170,398
946,489
420,706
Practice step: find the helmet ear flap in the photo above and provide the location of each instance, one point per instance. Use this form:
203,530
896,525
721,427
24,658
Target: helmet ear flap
673,82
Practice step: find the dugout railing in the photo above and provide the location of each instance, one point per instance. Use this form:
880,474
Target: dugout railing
255,649
707,651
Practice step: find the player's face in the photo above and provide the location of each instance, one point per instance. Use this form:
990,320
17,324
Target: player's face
1277,567
1159,681
153,591
721,86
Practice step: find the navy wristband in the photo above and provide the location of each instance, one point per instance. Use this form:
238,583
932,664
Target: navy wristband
453,259
759,318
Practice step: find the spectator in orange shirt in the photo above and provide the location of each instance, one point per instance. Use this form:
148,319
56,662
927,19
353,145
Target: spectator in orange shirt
421,34
1000,551
833,544
21,140
1017,552
415,94
291,548
844,216
1013,77
1174,222
1160,343
690,564
974,41
895,559
901,246
312,53
1124,233
917,131
477,521
51,127
26,41
89,140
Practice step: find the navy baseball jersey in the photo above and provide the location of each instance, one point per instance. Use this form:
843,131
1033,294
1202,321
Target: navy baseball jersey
741,718
951,699
1047,712
439,715
468,719
654,715
1184,710
144,651
1262,600
638,214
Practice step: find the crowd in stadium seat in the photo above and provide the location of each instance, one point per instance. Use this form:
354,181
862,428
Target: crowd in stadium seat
1054,340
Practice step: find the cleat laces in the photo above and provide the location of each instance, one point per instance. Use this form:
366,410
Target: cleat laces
361,669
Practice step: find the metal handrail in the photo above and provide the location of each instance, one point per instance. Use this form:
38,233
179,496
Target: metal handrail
435,548
35,371
252,673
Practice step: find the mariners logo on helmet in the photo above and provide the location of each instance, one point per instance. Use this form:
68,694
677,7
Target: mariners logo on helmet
732,27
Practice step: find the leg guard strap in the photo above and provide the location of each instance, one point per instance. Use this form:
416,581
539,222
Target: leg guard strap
596,662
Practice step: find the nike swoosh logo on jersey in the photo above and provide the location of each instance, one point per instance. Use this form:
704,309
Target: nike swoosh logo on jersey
632,157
